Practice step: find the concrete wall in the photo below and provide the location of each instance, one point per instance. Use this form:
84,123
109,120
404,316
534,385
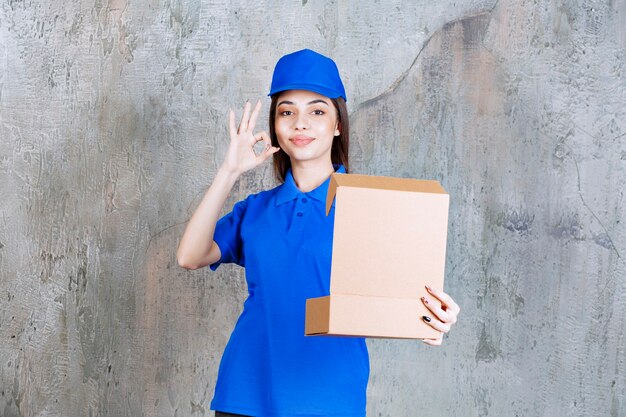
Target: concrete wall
113,122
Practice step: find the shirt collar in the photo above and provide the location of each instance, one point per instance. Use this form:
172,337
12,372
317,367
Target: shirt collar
289,191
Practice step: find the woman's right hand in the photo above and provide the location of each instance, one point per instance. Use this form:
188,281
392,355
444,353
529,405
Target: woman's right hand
241,156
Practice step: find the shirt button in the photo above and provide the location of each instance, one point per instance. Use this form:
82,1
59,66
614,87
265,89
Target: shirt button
299,214
304,200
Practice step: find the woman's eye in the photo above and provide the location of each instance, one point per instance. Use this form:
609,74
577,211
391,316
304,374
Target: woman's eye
318,112
286,113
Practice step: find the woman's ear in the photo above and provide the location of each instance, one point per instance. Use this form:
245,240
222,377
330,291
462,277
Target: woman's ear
338,129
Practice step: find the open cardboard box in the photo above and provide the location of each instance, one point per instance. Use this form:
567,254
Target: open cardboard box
389,242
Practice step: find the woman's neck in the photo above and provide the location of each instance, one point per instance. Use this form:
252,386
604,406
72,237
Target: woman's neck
309,177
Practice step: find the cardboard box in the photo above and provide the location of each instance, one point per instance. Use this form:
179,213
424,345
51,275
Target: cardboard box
389,242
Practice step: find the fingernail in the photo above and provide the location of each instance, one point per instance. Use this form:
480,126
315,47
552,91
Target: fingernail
426,319
425,300
428,288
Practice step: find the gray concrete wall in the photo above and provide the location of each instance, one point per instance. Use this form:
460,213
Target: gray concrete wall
113,122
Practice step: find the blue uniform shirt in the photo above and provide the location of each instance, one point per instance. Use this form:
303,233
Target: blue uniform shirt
283,238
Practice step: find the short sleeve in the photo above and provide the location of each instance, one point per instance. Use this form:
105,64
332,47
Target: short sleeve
228,236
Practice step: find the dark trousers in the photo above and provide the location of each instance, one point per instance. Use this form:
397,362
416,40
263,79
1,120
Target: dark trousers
220,414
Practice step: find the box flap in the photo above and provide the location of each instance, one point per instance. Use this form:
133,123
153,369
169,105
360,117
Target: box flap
332,190
381,183
389,240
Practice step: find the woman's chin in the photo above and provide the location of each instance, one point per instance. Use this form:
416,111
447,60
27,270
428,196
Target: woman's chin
307,157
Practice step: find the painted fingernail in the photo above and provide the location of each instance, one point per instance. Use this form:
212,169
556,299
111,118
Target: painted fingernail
425,300
426,319
428,288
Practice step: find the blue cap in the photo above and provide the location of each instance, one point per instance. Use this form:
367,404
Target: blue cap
307,70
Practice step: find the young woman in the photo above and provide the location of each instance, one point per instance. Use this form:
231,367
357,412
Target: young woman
283,238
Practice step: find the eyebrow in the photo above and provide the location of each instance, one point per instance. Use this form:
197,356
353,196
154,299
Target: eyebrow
319,100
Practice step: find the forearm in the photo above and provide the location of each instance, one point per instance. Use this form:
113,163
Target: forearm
195,248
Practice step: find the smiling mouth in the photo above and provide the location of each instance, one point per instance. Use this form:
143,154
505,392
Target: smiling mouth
301,140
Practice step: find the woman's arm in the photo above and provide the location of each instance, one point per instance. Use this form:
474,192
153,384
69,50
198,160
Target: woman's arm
197,248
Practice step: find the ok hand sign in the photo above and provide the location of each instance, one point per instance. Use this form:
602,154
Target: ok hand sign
241,156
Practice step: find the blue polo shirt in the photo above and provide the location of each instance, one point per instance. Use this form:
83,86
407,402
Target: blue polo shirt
283,238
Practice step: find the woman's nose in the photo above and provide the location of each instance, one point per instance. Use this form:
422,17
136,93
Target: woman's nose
302,121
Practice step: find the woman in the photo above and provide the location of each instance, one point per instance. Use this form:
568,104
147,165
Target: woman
283,238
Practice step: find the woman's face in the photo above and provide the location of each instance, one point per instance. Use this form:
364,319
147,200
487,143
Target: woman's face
305,125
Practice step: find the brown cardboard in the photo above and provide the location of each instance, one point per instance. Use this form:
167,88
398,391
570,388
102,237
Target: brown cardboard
389,242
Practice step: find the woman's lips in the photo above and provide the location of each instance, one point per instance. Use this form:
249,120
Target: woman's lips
301,140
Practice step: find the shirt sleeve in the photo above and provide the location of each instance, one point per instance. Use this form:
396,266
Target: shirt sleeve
228,236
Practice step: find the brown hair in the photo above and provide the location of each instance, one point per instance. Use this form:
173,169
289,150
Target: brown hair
338,152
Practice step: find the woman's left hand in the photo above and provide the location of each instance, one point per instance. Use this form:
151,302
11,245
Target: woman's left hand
442,318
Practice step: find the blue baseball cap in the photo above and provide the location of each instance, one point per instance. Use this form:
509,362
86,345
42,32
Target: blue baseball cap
307,70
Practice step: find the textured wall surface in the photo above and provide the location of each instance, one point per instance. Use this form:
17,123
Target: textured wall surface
113,122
